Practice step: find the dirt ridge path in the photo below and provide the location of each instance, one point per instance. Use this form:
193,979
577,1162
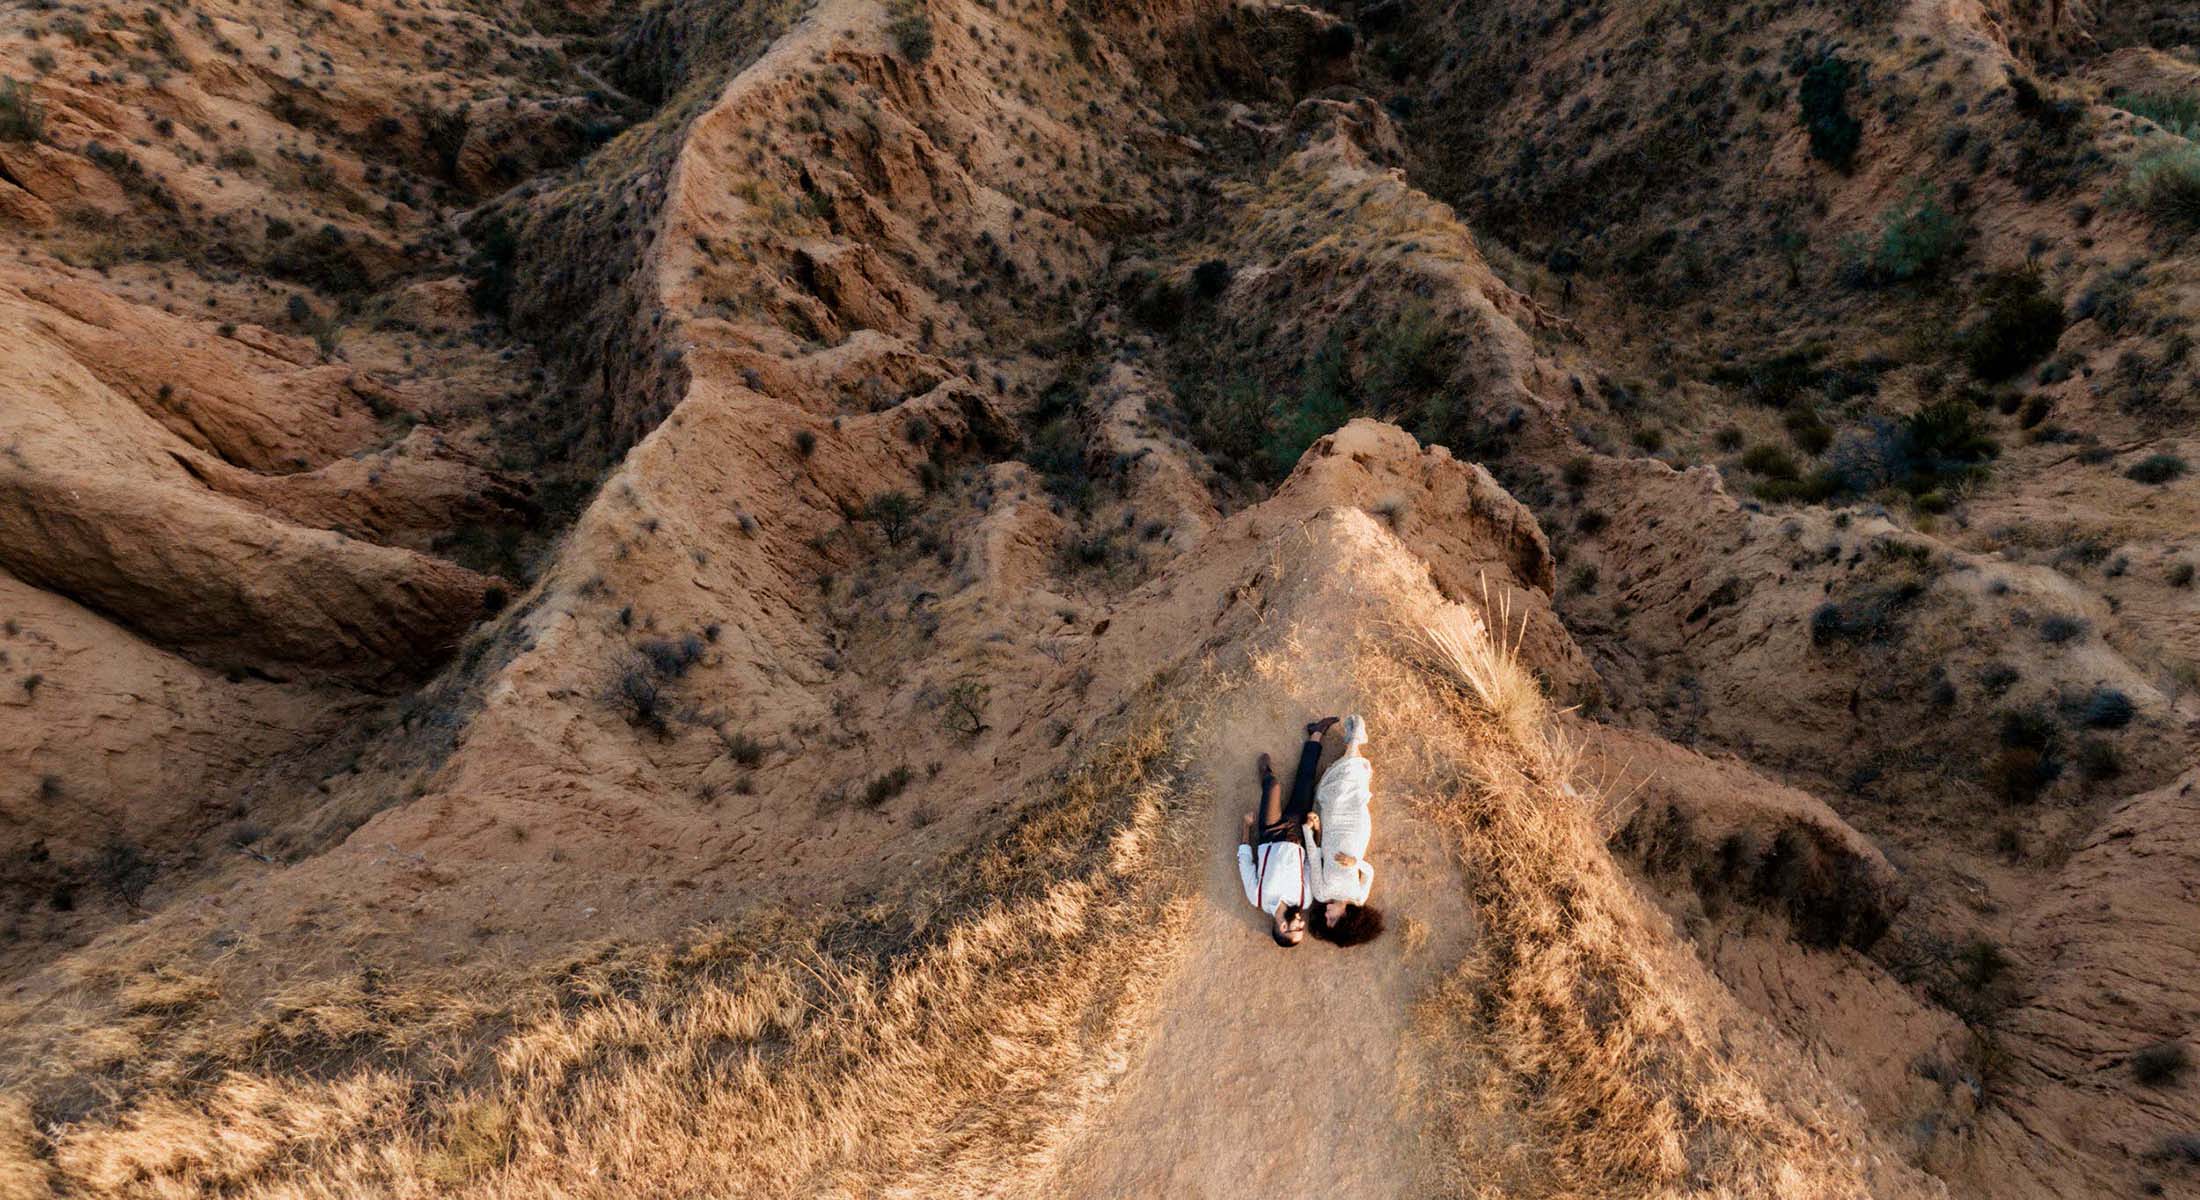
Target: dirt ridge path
1277,1072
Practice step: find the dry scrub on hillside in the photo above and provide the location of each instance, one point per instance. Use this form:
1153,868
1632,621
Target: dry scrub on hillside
1578,1050
934,1047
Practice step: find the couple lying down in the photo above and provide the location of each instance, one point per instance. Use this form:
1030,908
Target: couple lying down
1305,862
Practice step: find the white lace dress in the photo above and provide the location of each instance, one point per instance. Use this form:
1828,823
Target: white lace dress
1342,801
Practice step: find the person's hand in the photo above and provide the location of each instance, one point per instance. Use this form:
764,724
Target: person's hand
1345,860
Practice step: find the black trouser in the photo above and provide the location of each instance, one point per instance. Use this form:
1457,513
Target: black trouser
1279,822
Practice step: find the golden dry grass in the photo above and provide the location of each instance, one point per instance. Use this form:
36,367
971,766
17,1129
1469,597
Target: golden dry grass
929,1048
1580,1051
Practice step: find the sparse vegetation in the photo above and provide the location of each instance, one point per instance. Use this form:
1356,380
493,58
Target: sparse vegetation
2166,186
887,786
1320,405
639,696
2158,469
22,118
912,36
2161,1064
2177,112
1560,993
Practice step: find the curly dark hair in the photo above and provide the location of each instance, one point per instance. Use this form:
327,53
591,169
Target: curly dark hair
1281,938
1360,925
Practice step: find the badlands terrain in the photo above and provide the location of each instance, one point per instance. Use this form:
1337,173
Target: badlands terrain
678,598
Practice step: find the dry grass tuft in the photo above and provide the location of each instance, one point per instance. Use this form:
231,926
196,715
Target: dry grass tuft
1579,1050
931,1047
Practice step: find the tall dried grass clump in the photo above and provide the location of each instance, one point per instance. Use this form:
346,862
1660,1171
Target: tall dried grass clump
1580,1051
935,1048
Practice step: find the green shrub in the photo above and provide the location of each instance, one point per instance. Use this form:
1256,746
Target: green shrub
1409,359
2179,114
2020,327
2157,468
2166,186
1771,462
1211,278
893,512
912,36
1322,404
1810,431
22,119
1918,240
1823,102
1943,443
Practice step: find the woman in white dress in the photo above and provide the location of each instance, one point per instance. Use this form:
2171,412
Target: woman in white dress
1339,875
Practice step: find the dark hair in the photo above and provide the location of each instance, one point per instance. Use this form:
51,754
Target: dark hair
1283,917
1360,925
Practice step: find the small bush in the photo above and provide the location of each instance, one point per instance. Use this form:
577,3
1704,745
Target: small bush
2160,1064
2166,186
1918,240
2059,629
638,695
1822,99
743,749
893,513
1811,433
1870,616
2099,760
1771,462
962,712
671,657
912,35
1211,278
124,871
884,788
805,442
2107,708
2020,327
22,119
2157,469
2178,575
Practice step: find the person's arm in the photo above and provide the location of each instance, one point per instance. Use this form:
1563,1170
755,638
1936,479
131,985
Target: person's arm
1366,871
1246,876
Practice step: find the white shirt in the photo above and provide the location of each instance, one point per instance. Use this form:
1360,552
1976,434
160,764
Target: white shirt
1342,801
1273,874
